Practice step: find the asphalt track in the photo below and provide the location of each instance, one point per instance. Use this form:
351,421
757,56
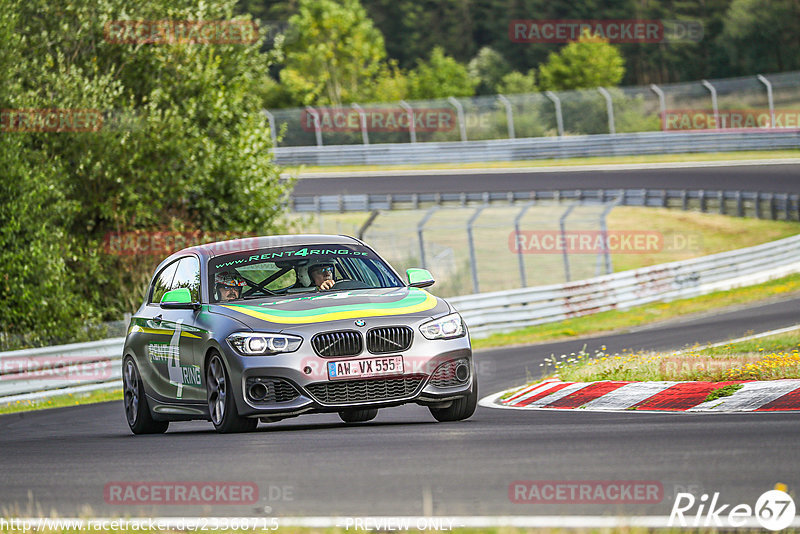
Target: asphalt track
404,463
756,177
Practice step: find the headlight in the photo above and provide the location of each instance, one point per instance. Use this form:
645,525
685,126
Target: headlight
254,343
447,327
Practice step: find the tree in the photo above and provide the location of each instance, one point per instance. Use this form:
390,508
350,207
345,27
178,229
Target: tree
763,36
583,64
333,53
487,69
515,83
181,145
439,77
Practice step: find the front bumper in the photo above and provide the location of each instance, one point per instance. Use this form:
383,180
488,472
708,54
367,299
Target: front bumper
298,383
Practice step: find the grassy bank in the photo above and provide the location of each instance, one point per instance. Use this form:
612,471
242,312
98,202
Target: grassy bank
768,358
61,401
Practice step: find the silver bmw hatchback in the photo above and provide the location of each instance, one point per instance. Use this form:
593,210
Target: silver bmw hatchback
261,329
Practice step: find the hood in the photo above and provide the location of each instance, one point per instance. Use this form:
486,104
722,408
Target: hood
318,308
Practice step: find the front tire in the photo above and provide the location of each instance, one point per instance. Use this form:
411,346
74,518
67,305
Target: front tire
461,409
137,412
221,404
358,416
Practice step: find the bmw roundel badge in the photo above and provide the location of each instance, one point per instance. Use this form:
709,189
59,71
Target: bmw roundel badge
360,322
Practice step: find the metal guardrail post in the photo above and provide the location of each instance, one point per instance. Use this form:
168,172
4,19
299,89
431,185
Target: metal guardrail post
364,227
739,204
462,127
562,228
559,118
412,128
272,132
317,126
609,109
472,258
420,229
721,200
770,102
362,118
604,232
714,106
662,103
509,115
522,278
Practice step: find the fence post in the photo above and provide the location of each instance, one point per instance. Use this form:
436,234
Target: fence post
420,229
562,227
609,109
714,106
362,118
662,103
522,278
317,126
766,82
372,216
272,133
460,111
606,254
559,119
473,260
509,115
412,128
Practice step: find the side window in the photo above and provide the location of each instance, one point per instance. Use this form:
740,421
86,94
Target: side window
188,275
163,282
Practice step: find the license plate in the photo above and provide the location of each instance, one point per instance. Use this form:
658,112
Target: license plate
365,368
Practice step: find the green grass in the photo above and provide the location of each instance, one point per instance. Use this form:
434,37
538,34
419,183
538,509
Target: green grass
724,391
567,162
619,320
769,358
61,401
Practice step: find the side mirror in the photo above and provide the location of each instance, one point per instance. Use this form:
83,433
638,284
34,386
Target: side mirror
179,299
419,278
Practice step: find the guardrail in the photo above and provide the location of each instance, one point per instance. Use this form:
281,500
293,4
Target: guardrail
532,148
34,373
50,371
500,311
759,204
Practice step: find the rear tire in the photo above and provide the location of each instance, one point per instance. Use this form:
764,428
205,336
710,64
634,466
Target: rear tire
461,409
358,416
221,404
137,412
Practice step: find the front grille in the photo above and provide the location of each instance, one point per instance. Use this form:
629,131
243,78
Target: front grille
278,390
365,390
445,375
389,339
335,344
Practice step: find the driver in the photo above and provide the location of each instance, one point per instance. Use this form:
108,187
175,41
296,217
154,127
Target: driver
228,286
321,273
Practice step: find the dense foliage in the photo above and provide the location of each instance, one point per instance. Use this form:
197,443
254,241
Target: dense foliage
182,146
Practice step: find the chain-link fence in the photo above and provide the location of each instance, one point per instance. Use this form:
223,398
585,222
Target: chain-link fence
742,102
489,248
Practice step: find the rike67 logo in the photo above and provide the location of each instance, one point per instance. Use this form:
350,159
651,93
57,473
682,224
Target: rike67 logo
774,510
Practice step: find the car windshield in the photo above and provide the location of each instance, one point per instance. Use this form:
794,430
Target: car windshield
297,269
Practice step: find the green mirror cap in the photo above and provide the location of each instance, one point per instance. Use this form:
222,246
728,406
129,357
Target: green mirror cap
180,295
419,277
